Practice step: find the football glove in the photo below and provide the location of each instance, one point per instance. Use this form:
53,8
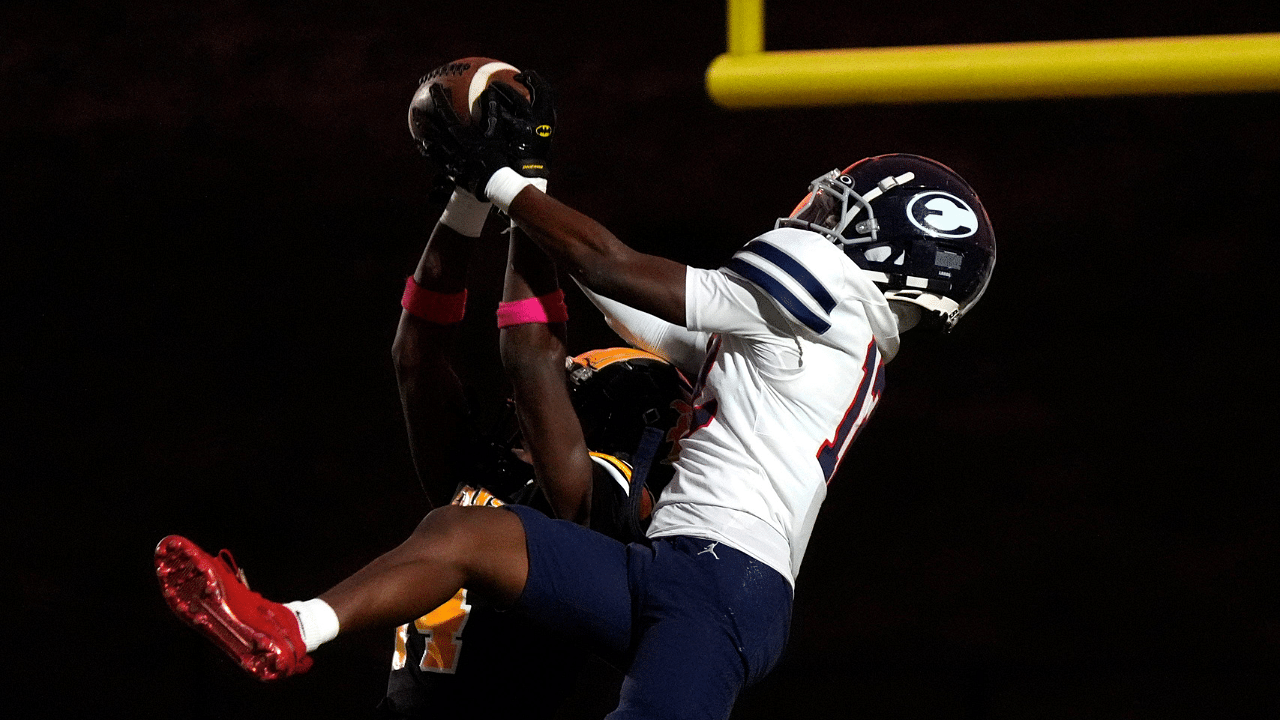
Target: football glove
528,125
510,132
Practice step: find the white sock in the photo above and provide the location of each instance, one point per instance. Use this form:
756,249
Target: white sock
318,621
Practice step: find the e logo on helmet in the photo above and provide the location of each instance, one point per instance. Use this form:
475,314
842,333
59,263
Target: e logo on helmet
942,215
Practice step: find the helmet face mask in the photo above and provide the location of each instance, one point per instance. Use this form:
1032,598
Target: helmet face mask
911,222
825,210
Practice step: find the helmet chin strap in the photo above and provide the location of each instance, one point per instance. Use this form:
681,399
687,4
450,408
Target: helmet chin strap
946,309
908,314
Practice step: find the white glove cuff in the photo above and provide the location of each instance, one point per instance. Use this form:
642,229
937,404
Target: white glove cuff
465,213
506,184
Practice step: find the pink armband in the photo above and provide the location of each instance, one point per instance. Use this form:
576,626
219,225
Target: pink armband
547,308
439,308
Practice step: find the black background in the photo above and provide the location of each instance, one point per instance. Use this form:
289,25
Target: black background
1065,509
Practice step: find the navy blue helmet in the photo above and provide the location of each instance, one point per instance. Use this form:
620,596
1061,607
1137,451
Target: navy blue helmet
911,222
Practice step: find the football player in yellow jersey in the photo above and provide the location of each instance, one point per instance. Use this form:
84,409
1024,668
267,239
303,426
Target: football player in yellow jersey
454,659
462,659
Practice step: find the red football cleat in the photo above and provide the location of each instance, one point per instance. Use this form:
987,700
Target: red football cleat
210,594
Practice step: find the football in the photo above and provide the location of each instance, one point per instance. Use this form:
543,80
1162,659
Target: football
462,81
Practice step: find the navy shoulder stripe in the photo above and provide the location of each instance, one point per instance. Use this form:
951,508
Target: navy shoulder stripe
793,268
780,293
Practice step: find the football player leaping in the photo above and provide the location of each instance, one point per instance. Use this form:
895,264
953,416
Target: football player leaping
452,660
788,342
462,659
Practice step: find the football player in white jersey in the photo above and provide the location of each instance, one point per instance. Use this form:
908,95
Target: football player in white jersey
788,342
789,339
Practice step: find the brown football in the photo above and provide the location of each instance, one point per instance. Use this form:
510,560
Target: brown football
463,80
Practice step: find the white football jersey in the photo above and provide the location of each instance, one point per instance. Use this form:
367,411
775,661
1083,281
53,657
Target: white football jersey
786,346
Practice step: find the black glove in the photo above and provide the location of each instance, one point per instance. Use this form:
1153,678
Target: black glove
527,124
437,129
510,132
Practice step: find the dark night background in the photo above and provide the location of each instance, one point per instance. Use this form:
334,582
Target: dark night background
1067,509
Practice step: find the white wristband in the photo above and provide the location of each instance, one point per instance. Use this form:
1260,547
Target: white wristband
506,183
465,213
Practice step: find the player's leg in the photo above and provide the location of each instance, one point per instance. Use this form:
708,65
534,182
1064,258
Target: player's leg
570,579
480,548
684,667
579,583
712,622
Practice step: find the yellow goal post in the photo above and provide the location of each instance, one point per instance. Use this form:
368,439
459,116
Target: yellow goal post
748,76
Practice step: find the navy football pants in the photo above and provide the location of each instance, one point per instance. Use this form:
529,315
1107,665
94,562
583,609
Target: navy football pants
693,622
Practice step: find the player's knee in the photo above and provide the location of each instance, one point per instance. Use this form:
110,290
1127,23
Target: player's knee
451,534
441,529
483,546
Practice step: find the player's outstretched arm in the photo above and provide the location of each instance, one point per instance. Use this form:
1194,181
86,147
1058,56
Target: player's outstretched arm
504,159
532,343
592,254
441,436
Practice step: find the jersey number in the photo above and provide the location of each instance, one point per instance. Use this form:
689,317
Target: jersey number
443,630
832,451
443,626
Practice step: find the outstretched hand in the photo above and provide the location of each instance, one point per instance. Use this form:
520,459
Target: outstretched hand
527,125
511,132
